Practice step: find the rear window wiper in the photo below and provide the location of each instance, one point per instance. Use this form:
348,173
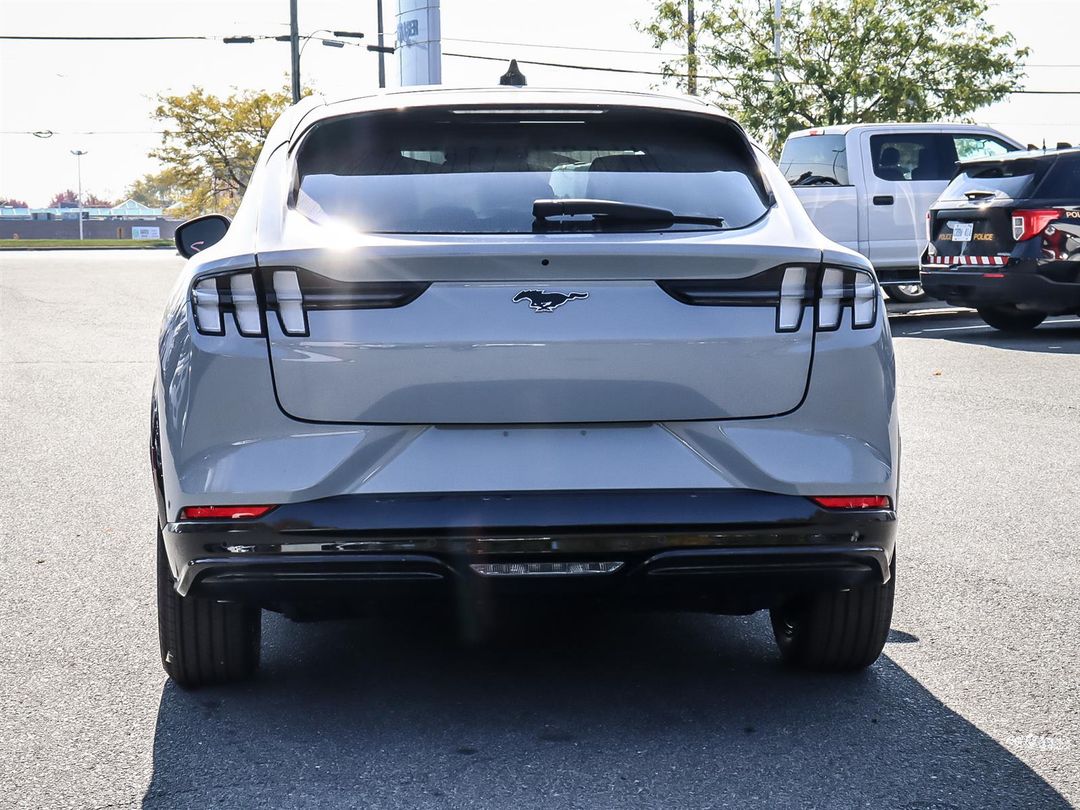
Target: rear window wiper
977,193
614,212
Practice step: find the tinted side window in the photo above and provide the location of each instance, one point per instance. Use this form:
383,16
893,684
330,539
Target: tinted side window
978,146
915,156
815,160
1062,181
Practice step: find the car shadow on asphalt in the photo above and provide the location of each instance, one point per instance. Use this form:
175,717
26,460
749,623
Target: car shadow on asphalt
1055,336
604,710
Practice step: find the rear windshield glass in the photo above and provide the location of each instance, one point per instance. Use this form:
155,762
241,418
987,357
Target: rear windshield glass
1009,178
480,170
815,160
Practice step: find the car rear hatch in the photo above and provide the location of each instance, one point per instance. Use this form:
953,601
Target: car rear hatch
509,344
972,221
450,303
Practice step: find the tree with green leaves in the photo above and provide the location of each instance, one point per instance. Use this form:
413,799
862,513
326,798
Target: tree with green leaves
157,190
841,61
69,199
210,146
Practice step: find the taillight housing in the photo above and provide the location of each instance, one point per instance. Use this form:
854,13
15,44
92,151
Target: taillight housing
250,296
844,288
214,297
827,292
1029,223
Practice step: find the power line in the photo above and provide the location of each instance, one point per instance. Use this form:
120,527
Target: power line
108,38
562,47
574,67
604,69
562,65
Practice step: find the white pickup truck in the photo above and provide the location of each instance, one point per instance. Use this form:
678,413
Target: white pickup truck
869,186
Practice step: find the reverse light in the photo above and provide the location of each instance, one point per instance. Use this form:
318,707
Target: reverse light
223,512
1027,224
852,501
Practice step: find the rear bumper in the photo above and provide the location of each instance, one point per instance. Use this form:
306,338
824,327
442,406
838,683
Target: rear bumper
1023,284
730,550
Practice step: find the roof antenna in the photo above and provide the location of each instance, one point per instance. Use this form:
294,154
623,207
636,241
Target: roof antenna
513,76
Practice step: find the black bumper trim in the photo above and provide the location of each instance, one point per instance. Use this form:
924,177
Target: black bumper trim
1019,283
680,543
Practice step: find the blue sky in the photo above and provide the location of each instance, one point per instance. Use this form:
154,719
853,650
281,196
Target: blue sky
108,88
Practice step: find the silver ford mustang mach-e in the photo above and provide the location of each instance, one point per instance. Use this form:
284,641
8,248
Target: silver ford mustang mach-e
466,346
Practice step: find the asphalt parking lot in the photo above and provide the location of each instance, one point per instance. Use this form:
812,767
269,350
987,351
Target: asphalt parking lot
975,704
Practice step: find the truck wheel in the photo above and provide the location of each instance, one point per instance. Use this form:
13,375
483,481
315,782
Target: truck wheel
906,293
204,642
1011,319
836,631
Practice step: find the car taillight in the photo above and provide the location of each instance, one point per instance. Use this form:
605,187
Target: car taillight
829,291
292,293
1027,224
843,288
212,297
852,501
929,227
223,512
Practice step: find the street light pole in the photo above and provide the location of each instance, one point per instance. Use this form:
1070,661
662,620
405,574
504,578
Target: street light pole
78,153
294,46
382,52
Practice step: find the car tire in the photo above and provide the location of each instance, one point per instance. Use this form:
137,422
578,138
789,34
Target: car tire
906,293
204,642
1011,319
836,631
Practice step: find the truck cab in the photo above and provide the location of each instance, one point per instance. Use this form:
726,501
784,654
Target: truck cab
869,186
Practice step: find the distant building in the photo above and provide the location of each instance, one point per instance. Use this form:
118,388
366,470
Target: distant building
129,209
128,220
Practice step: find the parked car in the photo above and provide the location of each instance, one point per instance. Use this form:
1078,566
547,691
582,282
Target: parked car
868,186
409,371
1005,238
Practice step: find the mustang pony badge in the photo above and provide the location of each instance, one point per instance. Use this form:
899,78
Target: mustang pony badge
544,301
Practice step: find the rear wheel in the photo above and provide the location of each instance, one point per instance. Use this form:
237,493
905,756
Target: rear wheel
837,631
204,642
1011,319
906,293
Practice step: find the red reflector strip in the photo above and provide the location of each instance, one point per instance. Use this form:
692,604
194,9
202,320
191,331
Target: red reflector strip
952,261
852,501
993,275
223,512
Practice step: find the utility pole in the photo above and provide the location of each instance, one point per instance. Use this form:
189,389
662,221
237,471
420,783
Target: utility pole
382,52
78,153
777,14
294,47
691,49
